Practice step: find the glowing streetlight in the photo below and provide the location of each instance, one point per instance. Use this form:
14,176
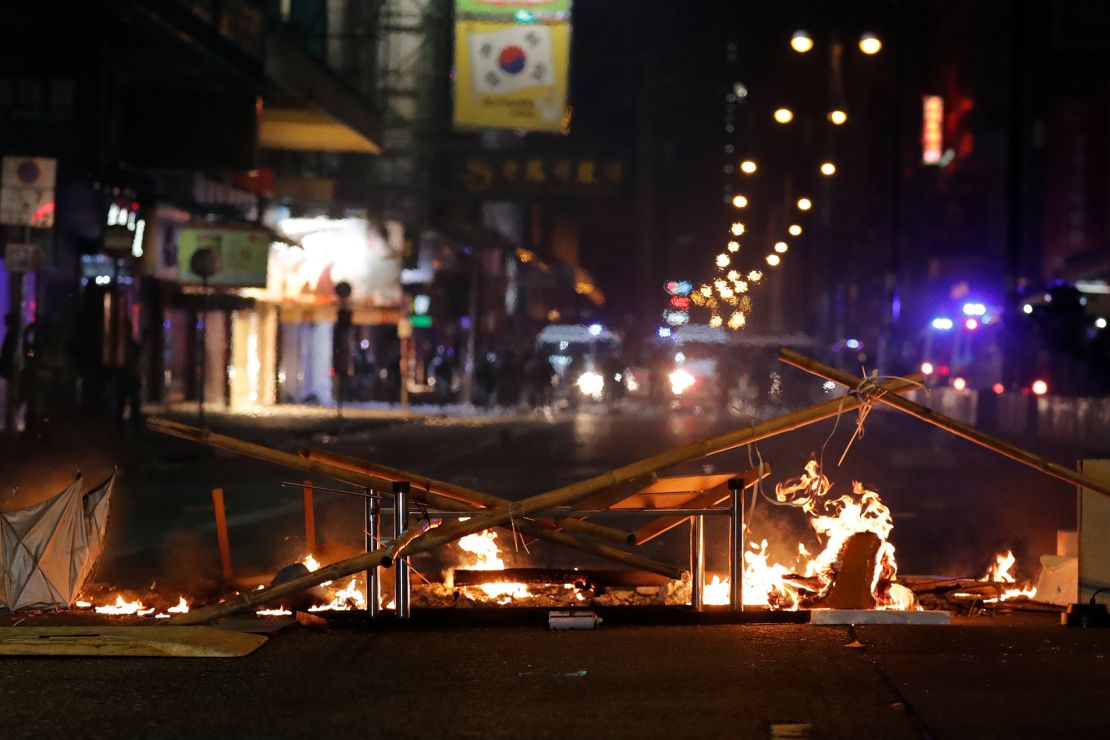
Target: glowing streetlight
795,230
734,246
804,204
740,201
722,260
715,321
773,260
784,115
838,117
781,247
828,168
737,228
748,167
869,44
801,42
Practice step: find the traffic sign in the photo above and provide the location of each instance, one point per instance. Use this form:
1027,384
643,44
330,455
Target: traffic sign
22,257
27,191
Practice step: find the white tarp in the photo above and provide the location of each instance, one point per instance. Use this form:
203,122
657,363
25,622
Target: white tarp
47,551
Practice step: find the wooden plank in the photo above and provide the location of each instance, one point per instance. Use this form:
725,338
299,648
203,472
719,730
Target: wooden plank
665,524
129,642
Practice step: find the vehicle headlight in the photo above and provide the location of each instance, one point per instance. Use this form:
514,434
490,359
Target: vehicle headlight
680,381
591,384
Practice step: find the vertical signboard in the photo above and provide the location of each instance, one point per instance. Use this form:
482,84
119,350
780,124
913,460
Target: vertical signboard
511,75
932,129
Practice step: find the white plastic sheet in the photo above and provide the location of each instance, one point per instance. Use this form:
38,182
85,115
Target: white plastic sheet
47,551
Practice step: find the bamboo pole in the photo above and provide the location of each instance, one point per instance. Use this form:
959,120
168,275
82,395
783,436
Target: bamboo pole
470,496
564,496
309,518
958,428
534,529
221,531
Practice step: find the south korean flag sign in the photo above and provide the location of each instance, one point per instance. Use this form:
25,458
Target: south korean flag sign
511,59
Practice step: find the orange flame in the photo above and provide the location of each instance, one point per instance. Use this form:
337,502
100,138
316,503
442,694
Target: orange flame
833,521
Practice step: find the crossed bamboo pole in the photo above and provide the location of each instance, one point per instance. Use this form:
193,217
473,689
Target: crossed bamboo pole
384,482
949,424
564,496
470,496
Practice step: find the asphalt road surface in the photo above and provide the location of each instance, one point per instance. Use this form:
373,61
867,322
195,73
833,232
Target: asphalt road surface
981,680
954,505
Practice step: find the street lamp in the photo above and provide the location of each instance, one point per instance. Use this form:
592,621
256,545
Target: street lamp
804,204
781,247
737,228
795,230
801,42
784,115
838,117
870,44
734,246
748,167
740,201
828,168
773,260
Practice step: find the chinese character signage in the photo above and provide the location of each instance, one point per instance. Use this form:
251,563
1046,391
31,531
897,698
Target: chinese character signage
511,75
509,175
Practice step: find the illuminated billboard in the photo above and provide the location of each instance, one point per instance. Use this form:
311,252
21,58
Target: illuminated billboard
511,75
243,254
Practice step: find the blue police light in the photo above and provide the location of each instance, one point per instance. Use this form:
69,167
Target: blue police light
595,330
942,323
974,309
664,332
852,344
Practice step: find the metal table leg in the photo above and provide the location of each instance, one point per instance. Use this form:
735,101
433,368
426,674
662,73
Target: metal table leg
401,566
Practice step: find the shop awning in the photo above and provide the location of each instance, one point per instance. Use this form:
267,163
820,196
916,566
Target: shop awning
310,130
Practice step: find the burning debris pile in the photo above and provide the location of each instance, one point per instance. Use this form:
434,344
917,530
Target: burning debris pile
853,565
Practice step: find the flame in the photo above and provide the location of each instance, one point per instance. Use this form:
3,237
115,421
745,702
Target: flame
124,607
999,572
343,600
279,612
833,521
181,608
488,557
313,565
